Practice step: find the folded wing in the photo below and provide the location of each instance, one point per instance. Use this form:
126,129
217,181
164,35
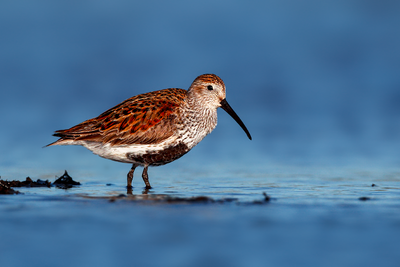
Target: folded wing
143,119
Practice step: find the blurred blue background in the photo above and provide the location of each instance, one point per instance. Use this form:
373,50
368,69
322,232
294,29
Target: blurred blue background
314,81
317,83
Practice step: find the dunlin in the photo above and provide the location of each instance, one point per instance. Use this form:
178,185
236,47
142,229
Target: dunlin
154,128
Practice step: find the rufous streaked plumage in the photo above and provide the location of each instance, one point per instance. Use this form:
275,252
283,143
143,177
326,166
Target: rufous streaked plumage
154,128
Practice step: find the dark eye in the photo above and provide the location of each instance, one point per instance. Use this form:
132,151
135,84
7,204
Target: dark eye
210,87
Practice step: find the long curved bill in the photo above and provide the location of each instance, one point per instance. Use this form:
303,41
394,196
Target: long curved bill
225,106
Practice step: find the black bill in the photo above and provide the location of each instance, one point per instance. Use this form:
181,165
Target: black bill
225,106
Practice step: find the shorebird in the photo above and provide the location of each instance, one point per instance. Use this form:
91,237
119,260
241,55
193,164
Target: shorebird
155,128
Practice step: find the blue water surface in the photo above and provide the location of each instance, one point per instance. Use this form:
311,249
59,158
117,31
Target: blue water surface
316,82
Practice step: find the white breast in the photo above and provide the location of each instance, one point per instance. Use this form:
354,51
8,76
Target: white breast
119,153
197,124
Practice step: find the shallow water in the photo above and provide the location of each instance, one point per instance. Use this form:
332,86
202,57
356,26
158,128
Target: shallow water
315,218
316,83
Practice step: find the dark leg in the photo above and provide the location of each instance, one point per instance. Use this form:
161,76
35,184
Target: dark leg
146,177
129,177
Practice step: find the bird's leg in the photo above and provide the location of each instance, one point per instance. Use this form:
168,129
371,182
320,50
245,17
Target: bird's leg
145,177
129,177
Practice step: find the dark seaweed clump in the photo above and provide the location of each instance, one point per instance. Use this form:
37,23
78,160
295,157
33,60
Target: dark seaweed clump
5,186
5,189
63,182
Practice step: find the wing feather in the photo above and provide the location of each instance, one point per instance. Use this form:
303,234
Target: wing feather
143,119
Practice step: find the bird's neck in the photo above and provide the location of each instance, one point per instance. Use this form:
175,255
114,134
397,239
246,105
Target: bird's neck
199,121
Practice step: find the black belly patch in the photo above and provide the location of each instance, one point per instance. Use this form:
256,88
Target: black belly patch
162,157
